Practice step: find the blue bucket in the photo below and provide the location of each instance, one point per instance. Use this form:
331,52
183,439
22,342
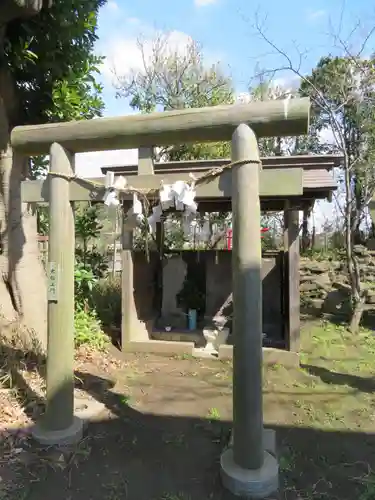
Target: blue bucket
192,319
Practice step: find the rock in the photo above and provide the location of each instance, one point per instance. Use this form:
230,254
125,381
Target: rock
336,264
341,286
370,298
360,250
325,287
306,278
337,301
319,267
323,281
307,286
317,303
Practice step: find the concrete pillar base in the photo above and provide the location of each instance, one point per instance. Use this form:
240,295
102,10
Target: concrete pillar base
71,435
269,441
246,483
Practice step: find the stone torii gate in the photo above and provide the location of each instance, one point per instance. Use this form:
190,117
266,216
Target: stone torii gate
246,468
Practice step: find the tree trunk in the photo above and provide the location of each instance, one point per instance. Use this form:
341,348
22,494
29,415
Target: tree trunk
351,259
305,230
23,293
23,288
357,313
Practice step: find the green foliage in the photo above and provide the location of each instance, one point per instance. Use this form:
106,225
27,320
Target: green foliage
268,241
42,220
93,260
51,61
328,254
88,331
87,225
87,325
84,281
190,296
38,167
142,237
174,236
342,90
107,299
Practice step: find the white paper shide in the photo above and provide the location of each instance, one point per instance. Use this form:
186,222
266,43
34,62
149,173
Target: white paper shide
180,195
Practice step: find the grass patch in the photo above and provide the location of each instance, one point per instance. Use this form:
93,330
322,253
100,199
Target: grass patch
88,330
325,403
324,412
335,384
213,414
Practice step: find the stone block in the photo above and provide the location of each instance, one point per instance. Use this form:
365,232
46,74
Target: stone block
169,348
271,356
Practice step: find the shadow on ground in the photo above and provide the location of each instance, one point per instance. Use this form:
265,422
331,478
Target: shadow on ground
335,378
133,455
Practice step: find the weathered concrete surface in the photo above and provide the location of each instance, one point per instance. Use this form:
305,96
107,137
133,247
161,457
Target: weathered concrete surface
271,356
246,483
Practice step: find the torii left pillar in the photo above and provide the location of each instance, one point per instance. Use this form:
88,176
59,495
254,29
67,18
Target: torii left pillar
58,425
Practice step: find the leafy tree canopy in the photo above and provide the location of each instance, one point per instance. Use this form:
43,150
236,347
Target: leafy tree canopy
50,60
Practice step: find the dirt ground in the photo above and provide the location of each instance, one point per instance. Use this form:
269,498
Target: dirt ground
168,419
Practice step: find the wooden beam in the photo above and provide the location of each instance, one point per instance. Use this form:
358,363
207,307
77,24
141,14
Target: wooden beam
145,161
307,162
371,208
266,204
276,182
215,123
292,260
128,309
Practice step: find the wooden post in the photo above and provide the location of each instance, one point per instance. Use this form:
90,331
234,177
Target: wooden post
145,161
291,264
247,303
115,239
127,286
59,425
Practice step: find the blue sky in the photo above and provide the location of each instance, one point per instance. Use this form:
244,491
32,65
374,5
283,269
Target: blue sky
225,28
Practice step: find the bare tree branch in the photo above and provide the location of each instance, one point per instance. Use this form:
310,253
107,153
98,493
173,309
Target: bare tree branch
350,117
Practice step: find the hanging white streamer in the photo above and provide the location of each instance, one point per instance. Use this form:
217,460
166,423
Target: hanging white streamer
154,218
113,186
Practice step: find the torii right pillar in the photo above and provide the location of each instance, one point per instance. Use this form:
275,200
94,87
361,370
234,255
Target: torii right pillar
247,470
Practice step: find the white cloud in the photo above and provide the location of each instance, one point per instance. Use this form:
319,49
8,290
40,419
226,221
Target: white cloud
203,3
134,20
112,5
124,54
313,15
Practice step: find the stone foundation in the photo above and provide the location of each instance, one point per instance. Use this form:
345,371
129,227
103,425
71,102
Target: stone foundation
324,284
